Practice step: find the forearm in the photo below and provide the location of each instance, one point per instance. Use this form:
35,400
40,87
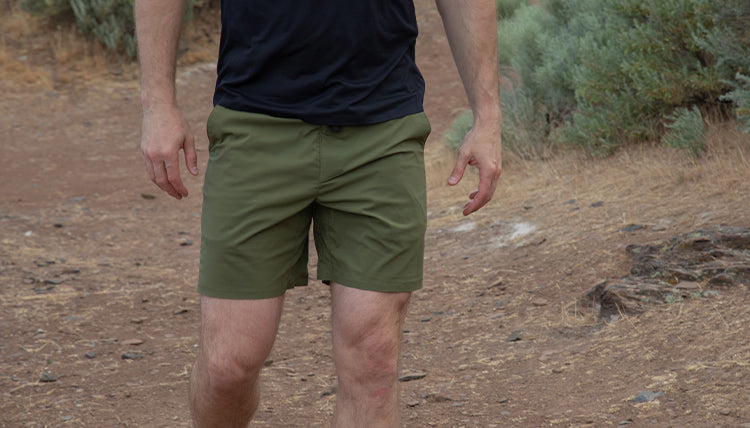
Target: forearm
472,34
158,24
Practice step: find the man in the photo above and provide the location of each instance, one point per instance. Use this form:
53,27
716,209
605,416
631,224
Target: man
318,118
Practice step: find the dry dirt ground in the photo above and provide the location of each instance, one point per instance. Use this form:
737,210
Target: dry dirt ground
98,315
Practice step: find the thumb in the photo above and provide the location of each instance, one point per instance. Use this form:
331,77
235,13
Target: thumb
191,157
458,170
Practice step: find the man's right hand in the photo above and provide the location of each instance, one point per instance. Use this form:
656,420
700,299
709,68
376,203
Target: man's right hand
164,133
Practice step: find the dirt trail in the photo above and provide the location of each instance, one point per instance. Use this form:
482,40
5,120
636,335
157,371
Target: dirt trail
98,314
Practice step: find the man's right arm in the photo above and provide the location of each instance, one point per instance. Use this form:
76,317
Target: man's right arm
164,131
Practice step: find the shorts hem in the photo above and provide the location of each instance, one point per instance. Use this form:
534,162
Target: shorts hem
393,287
247,294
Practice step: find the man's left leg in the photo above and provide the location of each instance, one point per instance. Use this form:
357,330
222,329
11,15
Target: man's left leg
367,328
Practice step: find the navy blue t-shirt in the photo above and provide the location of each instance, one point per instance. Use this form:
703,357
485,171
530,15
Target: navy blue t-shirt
327,62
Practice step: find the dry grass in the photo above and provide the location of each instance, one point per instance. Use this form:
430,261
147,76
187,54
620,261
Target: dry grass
45,54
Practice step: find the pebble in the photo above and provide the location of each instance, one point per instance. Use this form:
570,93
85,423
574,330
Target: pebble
412,375
457,404
48,377
597,204
646,396
413,403
131,356
631,228
133,342
515,336
90,355
539,302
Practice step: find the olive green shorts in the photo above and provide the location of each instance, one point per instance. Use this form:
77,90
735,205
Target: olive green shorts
268,179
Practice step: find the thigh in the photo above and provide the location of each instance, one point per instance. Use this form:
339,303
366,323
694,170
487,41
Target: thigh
259,184
239,333
370,216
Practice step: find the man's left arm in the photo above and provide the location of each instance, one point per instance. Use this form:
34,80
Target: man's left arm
472,34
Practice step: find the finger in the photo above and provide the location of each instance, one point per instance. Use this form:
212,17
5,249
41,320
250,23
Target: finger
458,169
161,180
149,169
191,157
173,177
487,183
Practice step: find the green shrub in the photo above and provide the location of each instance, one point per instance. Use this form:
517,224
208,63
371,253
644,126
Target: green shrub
740,96
599,74
110,21
688,131
506,8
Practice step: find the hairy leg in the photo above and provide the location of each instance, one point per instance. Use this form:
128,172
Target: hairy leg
367,329
236,338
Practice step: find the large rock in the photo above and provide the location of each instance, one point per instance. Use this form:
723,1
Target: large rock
697,264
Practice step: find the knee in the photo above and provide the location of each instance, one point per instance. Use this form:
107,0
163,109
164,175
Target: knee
372,358
228,377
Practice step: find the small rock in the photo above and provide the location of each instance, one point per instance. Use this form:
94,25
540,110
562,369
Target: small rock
631,228
147,196
436,398
66,418
133,342
725,412
569,202
328,392
515,336
722,280
502,400
457,404
48,377
90,355
53,281
412,375
539,302
427,319
687,285
186,243
413,403
181,311
597,204
131,356
647,396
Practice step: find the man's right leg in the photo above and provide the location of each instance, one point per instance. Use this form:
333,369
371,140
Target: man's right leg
236,338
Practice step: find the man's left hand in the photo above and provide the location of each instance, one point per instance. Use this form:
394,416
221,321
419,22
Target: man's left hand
481,148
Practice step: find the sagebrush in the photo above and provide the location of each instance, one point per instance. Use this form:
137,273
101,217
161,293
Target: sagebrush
597,74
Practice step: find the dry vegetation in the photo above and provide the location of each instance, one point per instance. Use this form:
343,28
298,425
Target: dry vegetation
41,53
90,264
